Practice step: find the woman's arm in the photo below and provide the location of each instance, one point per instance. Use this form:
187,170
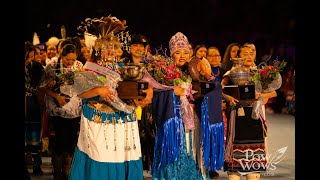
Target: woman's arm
225,79
105,92
267,96
61,99
231,100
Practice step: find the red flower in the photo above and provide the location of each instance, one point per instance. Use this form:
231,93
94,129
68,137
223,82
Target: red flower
263,72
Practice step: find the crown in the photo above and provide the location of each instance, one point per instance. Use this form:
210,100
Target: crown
178,41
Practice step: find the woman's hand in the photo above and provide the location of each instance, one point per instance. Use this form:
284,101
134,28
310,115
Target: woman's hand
266,96
230,99
179,91
62,100
147,100
106,93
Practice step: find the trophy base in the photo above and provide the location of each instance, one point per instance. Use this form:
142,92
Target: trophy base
203,87
131,89
244,93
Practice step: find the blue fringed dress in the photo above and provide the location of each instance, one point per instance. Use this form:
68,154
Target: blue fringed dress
172,160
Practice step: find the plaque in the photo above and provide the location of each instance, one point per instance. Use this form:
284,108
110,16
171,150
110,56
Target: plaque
243,93
131,89
203,87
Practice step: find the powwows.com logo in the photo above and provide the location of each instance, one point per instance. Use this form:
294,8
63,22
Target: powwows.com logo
272,161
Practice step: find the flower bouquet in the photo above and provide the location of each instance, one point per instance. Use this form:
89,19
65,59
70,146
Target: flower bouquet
266,79
164,71
66,76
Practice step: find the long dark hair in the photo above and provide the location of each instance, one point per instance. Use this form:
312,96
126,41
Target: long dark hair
226,63
29,47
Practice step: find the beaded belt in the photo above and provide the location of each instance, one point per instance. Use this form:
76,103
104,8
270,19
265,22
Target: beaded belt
100,112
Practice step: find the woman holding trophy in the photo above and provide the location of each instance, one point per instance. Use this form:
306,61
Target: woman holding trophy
246,131
108,145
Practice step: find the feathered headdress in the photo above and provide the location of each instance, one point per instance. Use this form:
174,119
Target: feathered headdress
99,33
89,40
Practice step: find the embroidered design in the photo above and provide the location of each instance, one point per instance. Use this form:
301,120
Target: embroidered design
114,135
105,133
98,106
127,146
97,119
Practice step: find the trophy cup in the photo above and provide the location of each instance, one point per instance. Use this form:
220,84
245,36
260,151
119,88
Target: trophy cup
131,87
239,75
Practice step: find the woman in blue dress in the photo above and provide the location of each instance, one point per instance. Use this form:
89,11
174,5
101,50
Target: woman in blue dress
174,150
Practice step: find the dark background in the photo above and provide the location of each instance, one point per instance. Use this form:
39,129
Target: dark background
212,22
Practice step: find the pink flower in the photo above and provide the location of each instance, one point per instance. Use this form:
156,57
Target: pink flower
171,67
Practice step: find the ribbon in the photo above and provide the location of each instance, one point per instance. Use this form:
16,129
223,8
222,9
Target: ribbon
186,108
148,78
190,92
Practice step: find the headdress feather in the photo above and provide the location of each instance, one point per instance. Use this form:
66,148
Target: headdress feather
36,39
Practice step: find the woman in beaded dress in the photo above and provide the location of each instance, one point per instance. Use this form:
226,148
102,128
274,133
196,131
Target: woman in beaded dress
108,145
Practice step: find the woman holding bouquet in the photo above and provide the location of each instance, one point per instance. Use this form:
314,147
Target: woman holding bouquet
246,135
175,152
64,109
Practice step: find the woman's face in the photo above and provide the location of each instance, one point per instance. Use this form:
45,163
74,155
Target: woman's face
51,51
137,50
86,52
38,55
234,51
201,52
119,52
253,49
31,56
247,53
108,54
214,57
181,56
69,60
